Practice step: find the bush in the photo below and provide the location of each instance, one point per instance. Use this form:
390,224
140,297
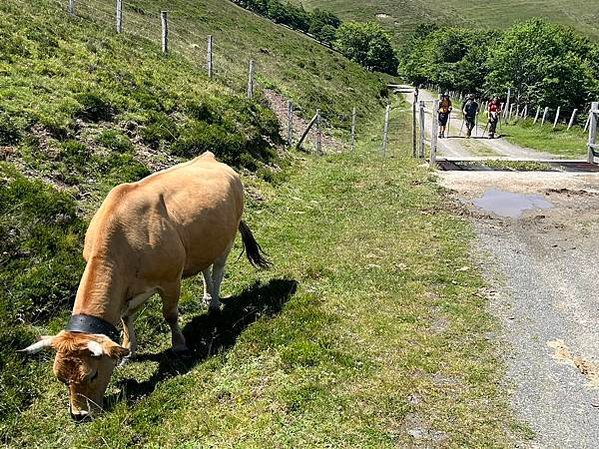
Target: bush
94,107
10,133
198,137
159,127
115,141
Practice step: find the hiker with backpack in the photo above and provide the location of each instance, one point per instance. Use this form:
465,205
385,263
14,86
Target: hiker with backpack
494,109
470,109
445,108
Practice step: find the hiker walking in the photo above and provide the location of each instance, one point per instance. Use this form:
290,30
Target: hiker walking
494,109
445,108
470,109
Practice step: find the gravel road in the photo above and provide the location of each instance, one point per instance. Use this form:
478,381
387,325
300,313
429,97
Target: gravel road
543,270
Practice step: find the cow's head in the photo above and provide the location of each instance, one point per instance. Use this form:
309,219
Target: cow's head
84,362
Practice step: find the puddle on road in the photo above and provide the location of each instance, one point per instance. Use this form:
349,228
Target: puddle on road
509,204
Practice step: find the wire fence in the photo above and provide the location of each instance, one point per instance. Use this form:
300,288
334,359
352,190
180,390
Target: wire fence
174,33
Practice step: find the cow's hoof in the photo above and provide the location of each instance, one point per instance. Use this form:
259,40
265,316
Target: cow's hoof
215,310
180,349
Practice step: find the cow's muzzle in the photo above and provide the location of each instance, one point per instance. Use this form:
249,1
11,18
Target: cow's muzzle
80,417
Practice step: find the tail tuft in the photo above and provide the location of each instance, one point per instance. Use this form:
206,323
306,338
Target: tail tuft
253,251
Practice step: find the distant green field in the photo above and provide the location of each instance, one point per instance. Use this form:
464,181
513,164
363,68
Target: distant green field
403,15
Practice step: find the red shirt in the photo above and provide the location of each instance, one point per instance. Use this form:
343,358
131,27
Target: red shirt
494,106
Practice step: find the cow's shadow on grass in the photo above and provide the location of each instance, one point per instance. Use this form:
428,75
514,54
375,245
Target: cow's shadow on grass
211,333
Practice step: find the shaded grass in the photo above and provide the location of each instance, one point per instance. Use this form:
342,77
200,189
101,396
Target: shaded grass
569,144
374,336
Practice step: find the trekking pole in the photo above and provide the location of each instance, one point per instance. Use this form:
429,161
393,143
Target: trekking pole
462,127
485,130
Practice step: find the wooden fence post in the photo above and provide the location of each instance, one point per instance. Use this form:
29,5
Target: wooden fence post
537,115
289,124
414,123
571,122
72,8
164,20
510,113
353,129
251,80
422,125
209,55
307,130
386,130
556,116
507,103
434,135
544,115
119,16
318,132
593,113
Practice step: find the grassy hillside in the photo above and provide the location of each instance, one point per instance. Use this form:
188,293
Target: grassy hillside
368,333
403,15
289,62
83,109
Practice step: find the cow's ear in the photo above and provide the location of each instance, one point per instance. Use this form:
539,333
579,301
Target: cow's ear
114,351
45,342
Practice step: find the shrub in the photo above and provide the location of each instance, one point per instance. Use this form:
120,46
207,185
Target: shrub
159,127
10,133
198,137
115,141
94,107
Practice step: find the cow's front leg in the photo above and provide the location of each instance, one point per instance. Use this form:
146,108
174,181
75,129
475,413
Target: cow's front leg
170,312
129,340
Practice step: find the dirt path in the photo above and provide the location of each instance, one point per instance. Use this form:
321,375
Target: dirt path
543,269
457,146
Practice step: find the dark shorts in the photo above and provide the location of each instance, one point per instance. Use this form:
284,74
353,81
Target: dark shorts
443,117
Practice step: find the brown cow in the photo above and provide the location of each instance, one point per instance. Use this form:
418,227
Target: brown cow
144,239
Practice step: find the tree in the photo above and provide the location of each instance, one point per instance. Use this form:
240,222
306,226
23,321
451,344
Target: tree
543,63
323,25
368,44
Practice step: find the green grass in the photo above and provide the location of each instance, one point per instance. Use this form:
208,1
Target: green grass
509,165
561,142
83,109
311,75
369,332
404,16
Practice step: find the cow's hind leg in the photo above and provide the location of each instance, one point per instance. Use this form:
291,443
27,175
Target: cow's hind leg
218,271
170,311
208,285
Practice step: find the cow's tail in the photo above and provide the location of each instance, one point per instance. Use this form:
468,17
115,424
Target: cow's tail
253,251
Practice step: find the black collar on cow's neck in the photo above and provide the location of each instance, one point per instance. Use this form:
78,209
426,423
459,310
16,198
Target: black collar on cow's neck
92,325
